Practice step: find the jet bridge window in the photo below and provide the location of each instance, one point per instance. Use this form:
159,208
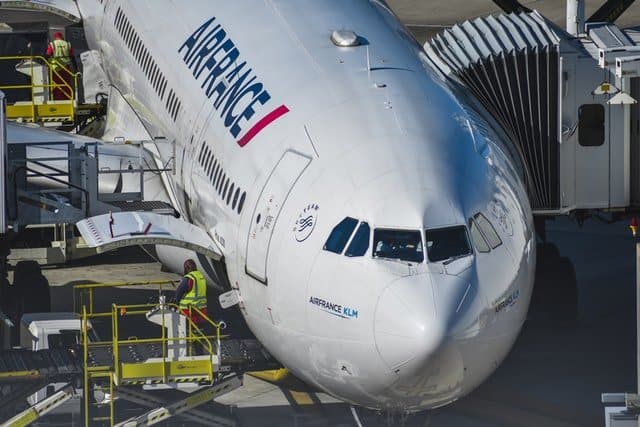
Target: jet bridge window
481,227
405,245
340,235
447,243
591,125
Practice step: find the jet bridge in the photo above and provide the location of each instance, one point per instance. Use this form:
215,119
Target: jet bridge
566,101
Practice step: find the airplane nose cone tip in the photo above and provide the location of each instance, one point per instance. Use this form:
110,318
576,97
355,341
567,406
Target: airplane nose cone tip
406,325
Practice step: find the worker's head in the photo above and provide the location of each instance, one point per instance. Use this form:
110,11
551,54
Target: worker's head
58,36
189,266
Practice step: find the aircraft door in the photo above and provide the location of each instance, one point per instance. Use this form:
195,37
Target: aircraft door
273,196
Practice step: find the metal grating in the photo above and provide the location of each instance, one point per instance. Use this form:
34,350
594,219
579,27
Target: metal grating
511,64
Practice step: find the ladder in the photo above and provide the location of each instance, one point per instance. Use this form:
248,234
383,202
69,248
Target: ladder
194,400
41,408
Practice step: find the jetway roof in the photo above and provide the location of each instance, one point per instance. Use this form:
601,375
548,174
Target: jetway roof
35,10
29,134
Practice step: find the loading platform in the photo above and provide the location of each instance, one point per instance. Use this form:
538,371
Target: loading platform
181,356
49,97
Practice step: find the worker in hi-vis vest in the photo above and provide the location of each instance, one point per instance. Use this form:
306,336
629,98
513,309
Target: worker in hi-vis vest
60,54
192,292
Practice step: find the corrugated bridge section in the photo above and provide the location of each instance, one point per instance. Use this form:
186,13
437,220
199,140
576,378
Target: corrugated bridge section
511,64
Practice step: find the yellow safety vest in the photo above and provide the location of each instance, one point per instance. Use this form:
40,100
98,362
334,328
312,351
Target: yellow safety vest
197,296
61,49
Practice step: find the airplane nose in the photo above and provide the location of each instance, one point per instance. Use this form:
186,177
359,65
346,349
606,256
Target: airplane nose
407,327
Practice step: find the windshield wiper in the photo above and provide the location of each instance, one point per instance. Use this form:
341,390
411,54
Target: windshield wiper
453,258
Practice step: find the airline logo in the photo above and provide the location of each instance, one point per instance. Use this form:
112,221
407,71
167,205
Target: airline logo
229,82
333,308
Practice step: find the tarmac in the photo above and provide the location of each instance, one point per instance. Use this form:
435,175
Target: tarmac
578,341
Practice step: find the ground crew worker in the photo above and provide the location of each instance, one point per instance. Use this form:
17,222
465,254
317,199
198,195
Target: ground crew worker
60,54
192,292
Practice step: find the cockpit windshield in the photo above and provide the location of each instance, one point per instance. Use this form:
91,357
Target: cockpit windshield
447,243
405,245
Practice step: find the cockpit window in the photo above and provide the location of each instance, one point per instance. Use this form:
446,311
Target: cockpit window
478,240
340,235
447,243
360,242
405,245
487,230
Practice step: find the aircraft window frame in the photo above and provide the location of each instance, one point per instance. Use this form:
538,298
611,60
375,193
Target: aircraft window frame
127,34
164,86
205,163
176,109
226,187
202,148
352,252
130,37
134,43
216,172
118,19
230,192
340,235
418,233
210,165
241,202
139,47
147,62
481,244
234,203
205,155
445,259
213,168
122,23
488,231
220,181
154,76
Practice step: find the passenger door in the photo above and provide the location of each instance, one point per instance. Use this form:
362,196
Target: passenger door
265,214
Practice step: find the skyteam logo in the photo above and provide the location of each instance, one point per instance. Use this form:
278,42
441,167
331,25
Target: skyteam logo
229,82
333,308
306,222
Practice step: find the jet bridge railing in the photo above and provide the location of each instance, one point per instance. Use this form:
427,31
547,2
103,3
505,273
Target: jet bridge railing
45,80
58,182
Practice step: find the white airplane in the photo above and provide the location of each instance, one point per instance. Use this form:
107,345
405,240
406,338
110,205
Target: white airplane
367,212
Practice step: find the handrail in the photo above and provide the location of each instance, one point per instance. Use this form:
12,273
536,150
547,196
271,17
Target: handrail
196,334
89,288
67,90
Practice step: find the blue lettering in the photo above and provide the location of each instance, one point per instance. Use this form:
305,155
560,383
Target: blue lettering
238,95
191,41
219,67
248,112
206,50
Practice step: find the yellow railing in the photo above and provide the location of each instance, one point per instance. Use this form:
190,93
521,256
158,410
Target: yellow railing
169,367
84,293
37,111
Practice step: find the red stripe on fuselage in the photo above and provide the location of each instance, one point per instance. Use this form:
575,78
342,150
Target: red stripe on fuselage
263,123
